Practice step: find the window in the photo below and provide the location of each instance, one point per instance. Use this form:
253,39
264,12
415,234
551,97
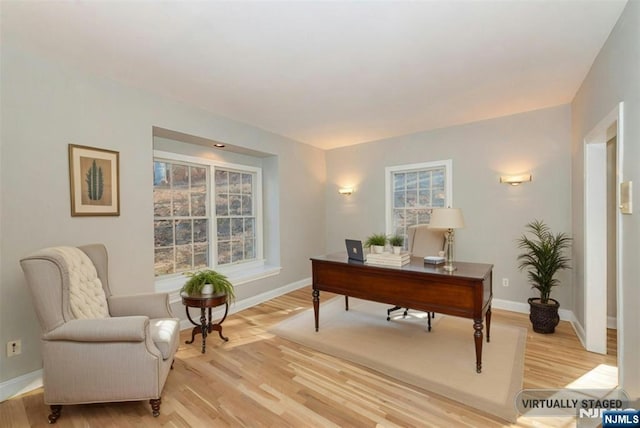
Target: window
205,214
235,216
413,190
180,217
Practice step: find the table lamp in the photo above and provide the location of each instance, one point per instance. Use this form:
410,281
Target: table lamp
449,219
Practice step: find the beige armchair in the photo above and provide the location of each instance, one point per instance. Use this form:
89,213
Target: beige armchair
97,347
422,241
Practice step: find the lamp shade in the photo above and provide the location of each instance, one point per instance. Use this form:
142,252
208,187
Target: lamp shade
446,218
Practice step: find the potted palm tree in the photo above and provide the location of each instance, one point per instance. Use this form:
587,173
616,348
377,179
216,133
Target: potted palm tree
208,281
542,258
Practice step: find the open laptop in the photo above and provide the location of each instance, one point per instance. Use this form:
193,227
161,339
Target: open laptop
354,250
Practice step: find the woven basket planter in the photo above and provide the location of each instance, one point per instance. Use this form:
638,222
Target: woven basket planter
544,317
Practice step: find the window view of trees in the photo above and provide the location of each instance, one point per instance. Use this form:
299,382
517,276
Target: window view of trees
182,218
414,192
235,220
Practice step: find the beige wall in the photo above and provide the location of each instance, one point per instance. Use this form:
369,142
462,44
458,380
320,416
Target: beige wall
613,78
46,106
495,214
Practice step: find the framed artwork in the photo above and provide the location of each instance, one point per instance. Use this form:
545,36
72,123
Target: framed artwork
95,181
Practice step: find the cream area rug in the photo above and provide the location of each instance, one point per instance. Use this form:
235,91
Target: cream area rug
441,361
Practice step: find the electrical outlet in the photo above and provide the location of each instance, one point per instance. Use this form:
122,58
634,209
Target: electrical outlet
14,348
505,282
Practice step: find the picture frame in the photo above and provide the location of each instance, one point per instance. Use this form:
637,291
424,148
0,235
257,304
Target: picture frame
94,177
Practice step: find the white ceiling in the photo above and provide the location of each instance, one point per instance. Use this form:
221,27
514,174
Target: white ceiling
334,73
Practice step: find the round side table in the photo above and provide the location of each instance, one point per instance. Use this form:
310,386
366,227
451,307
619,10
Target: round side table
205,302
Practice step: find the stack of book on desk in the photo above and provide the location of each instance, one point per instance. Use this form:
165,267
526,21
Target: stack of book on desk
389,259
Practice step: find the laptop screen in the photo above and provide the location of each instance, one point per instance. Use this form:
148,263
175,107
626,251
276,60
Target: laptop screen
354,250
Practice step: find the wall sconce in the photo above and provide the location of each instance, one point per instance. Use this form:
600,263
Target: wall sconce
515,180
345,190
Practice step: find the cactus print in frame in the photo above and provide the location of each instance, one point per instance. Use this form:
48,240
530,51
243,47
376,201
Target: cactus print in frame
94,180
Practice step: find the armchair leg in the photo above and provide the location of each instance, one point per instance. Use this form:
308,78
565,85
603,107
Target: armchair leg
155,406
55,413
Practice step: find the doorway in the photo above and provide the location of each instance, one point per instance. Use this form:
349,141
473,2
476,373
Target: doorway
603,151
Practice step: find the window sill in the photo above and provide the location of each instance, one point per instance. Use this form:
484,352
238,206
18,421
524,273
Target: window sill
172,285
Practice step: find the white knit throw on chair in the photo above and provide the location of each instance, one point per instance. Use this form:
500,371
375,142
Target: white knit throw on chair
86,295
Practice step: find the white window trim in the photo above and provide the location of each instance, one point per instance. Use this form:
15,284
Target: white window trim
239,273
388,193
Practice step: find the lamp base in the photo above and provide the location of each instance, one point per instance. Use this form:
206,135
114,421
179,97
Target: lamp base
448,265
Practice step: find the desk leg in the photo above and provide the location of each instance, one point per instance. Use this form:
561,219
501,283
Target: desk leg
204,327
346,303
316,306
477,335
487,320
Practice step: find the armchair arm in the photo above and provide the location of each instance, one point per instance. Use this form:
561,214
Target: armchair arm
152,305
121,329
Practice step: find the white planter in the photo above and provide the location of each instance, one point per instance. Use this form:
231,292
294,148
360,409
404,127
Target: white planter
378,249
207,289
397,250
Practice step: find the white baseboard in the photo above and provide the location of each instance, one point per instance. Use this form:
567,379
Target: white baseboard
252,301
523,308
579,329
21,384
612,322
565,315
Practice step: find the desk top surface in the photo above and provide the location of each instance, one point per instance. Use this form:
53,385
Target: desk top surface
463,269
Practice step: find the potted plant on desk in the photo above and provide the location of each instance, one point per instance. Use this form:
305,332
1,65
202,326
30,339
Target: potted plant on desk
542,259
376,242
396,241
208,282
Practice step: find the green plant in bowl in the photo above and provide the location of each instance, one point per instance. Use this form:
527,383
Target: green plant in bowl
220,283
396,240
377,239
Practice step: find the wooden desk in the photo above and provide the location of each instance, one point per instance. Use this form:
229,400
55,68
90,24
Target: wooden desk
205,301
466,292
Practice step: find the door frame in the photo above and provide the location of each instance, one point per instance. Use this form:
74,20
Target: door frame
595,233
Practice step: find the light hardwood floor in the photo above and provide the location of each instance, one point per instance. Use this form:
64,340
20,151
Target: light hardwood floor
258,380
